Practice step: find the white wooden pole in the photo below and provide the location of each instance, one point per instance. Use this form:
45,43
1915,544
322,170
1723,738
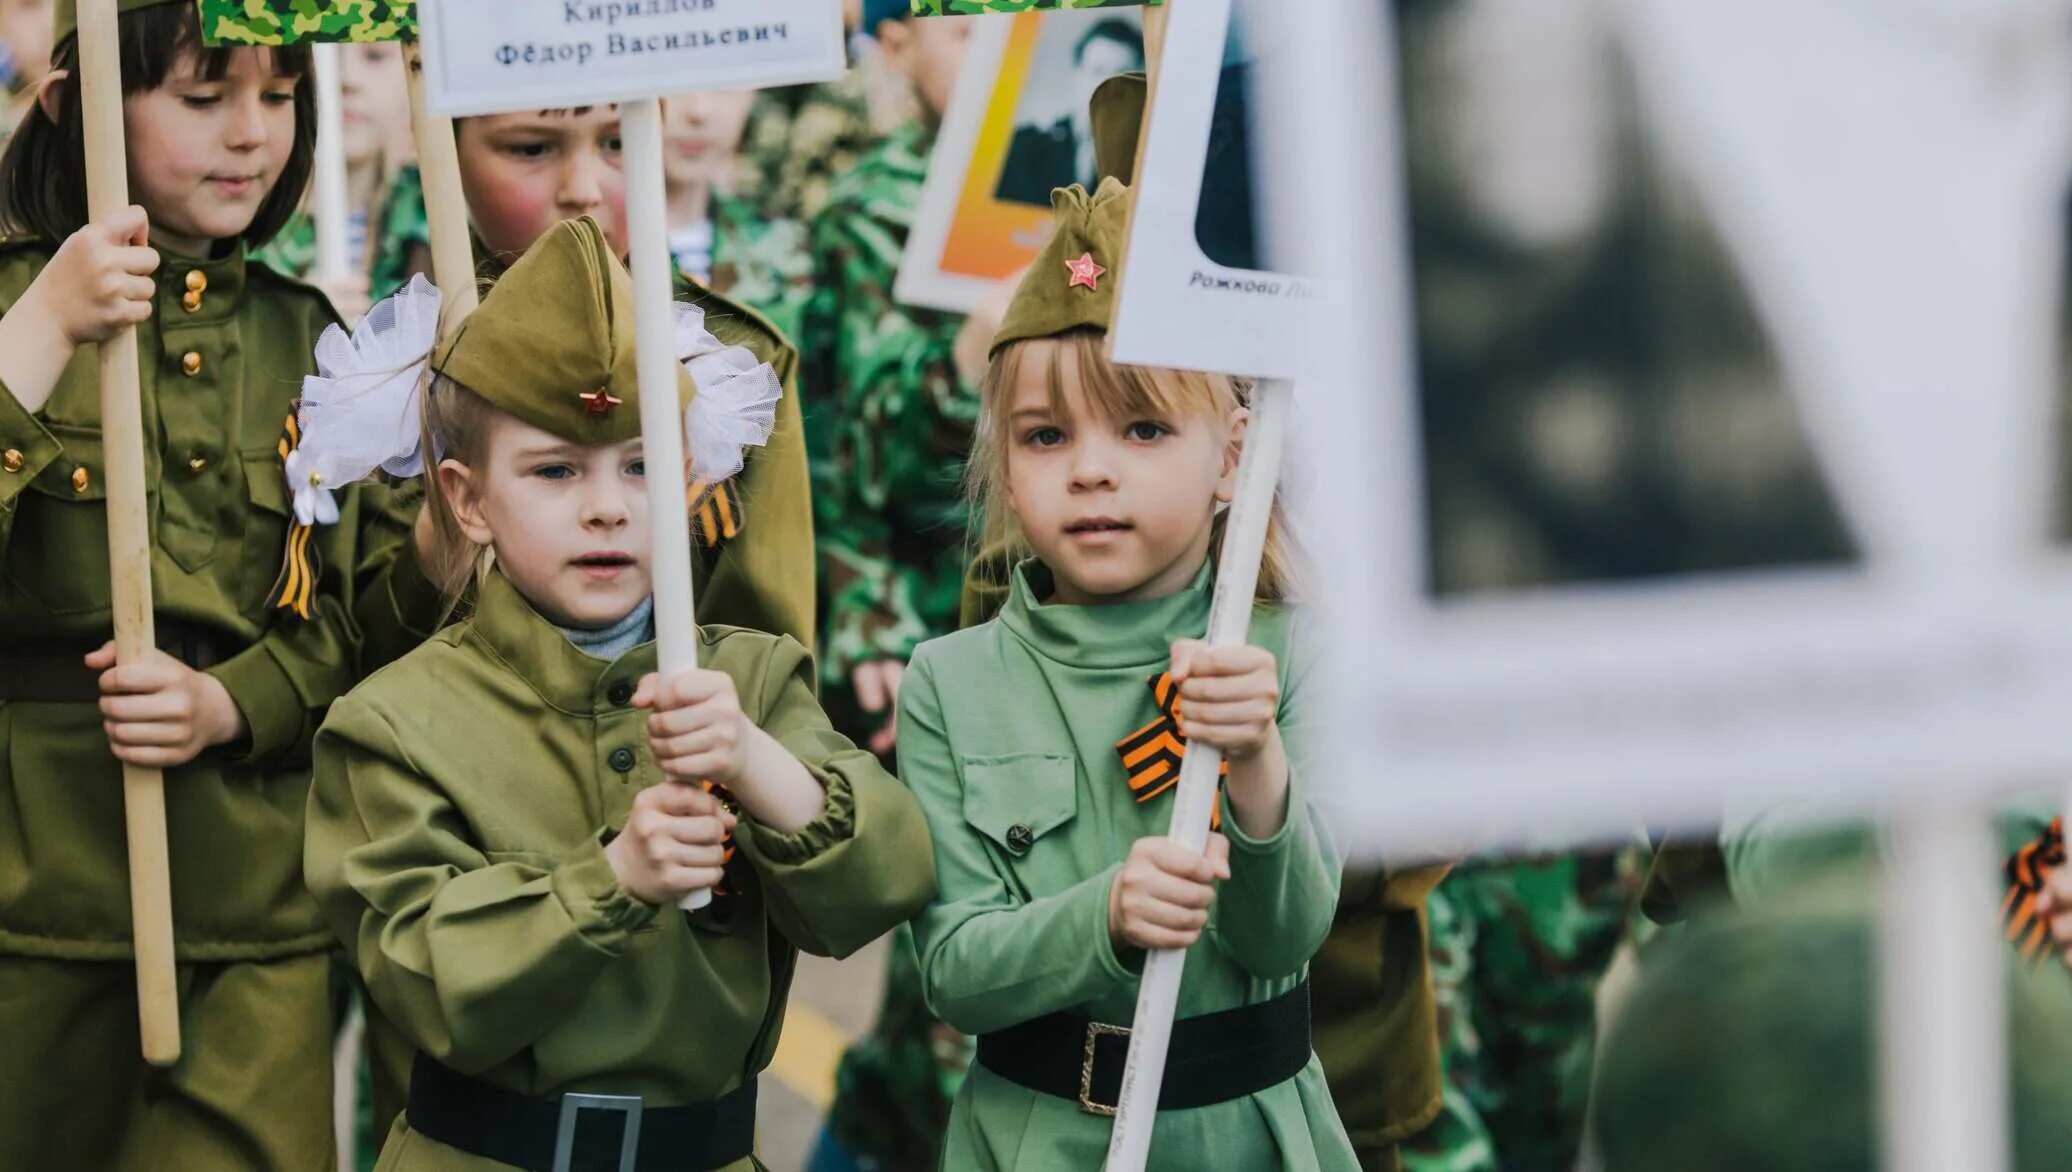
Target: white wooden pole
1230,623
1942,1002
328,201
661,416
445,204
129,546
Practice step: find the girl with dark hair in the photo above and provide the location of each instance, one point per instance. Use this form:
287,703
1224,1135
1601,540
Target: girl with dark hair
219,150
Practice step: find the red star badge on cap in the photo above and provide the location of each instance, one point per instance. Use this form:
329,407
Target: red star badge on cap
599,403
1085,271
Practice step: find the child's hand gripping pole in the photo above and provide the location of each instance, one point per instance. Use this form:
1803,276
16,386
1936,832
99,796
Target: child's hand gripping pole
129,544
1230,619
661,419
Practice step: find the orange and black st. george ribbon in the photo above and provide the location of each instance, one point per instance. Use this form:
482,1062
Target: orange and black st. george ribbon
301,565
716,514
726,861
1151,755
2028,869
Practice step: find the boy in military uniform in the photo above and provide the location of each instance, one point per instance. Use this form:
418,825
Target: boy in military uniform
503,894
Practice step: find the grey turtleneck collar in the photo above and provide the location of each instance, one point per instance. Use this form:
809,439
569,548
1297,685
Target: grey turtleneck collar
609,643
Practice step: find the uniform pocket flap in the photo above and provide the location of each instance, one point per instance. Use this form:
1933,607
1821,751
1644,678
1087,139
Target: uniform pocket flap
1016,800
80,471
264,482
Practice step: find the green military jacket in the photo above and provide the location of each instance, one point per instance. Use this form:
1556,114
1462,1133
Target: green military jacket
222,359
1772,852
456,824
1007,737
890,421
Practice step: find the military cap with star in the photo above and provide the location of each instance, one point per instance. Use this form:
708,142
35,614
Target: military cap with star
553,341
1071,285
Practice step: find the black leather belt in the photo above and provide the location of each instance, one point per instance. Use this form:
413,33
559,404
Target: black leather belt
1212,1059
578,1133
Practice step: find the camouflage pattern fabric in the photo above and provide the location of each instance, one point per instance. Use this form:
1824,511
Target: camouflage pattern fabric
980,7
1518,948
799,140
399,243
763,263
888,423
289,22
894,1087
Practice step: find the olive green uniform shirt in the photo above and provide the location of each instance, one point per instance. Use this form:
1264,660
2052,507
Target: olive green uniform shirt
221,360
456,832
1007,737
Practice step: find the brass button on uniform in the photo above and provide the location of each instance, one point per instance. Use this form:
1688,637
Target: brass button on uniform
622,760
11,459
190,363
81,481
191,302
198,464
197,281
1020,839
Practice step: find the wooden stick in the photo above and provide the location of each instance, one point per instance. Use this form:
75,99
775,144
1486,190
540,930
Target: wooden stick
129,545
328,200
445,204
661,415
1230,623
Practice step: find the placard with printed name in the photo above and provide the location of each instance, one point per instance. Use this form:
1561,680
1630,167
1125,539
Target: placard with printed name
483,56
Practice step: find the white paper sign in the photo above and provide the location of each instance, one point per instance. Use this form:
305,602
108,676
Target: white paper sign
484,56
1197,290
1892,201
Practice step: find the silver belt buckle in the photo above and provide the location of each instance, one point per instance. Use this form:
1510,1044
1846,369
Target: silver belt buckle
573,1105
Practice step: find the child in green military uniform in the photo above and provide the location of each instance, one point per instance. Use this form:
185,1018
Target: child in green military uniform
219,152
502,892
1048,811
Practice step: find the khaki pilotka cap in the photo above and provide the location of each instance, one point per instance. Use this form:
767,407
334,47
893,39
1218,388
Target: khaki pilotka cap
1071,284
552,343
66,15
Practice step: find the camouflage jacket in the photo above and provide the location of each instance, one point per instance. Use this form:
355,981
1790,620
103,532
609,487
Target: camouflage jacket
399,242
761,262
888,422
800,141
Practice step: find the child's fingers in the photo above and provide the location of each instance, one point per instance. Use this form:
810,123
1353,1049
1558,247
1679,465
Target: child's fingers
152,756
644,692
1185,653
695,686
1247,711
1177,861
668,723
103,658
698,767
693,743
681,853
1219,855
145,736
1173,890
681,801
130,225
138,678
145,707
1159,914
1157,938
137,262
1218,689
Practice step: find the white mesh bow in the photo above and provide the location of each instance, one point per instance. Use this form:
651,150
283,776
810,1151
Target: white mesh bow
360,411
736,404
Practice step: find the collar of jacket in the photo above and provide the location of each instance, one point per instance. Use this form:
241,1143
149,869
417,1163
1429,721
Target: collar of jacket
507,626
1122,634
